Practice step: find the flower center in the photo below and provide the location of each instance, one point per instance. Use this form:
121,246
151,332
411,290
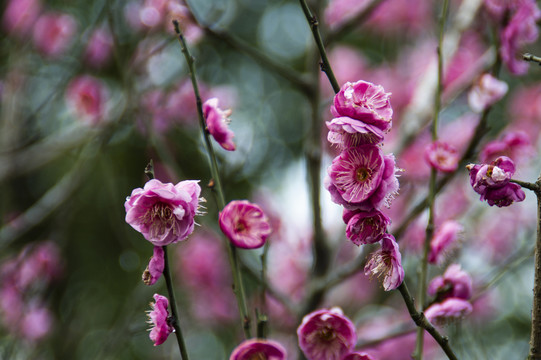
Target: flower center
159,218
258,356
362,174
240,226
327,334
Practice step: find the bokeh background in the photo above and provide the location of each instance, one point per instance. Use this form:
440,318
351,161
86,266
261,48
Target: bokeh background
91,91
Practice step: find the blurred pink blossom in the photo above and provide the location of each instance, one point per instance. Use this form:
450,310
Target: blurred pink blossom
454,283
444,241
99,48
20,16
486,91
86,97
36,323
448,310
442,156
54,33
515,145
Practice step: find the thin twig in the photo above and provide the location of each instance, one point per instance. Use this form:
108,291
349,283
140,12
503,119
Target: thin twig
532,58
218,190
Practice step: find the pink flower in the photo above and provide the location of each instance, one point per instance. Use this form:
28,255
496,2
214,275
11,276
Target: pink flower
387,263
492,182
486,91
442,156
53,33
99,48
244,224
155,267
326,335
362,178
443,241
163,213
347,132
449,309
365,227
158,317
259,349
358,356
521,30
217,120
365,102
454,283
86,98
20,16
36,323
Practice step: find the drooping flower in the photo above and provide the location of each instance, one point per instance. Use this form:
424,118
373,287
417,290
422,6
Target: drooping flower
217,121
244,224
86,97
365,227
442,156
155,266
454,283
521,30
362,178
492,182
358,356
443,241
53,33
347,132
448,310
486,91
365,102
164,213
326,335
387,263
259,349
158,317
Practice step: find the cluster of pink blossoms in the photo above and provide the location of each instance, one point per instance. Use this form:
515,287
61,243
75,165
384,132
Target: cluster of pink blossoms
163,214
361,178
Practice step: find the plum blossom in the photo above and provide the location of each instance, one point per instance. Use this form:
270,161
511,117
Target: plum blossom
362,178
326,335
53,33
444,240
454,283
217,120
365,227
358,356
259,349
442,156
515,145
164,213
158,317
244,224
86,98
387,263
486,91
99,48
449,309
155,266
492,182
347,132
365,102
20,16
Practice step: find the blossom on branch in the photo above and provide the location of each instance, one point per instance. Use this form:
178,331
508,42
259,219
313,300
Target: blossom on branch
365,227
326,335
244,224
155,266
158,317
442,156
387,263
164,213
449,309
217,121
454,283
259,349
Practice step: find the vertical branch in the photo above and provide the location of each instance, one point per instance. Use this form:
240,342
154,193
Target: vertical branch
238,286
173,304
432,187
535,336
